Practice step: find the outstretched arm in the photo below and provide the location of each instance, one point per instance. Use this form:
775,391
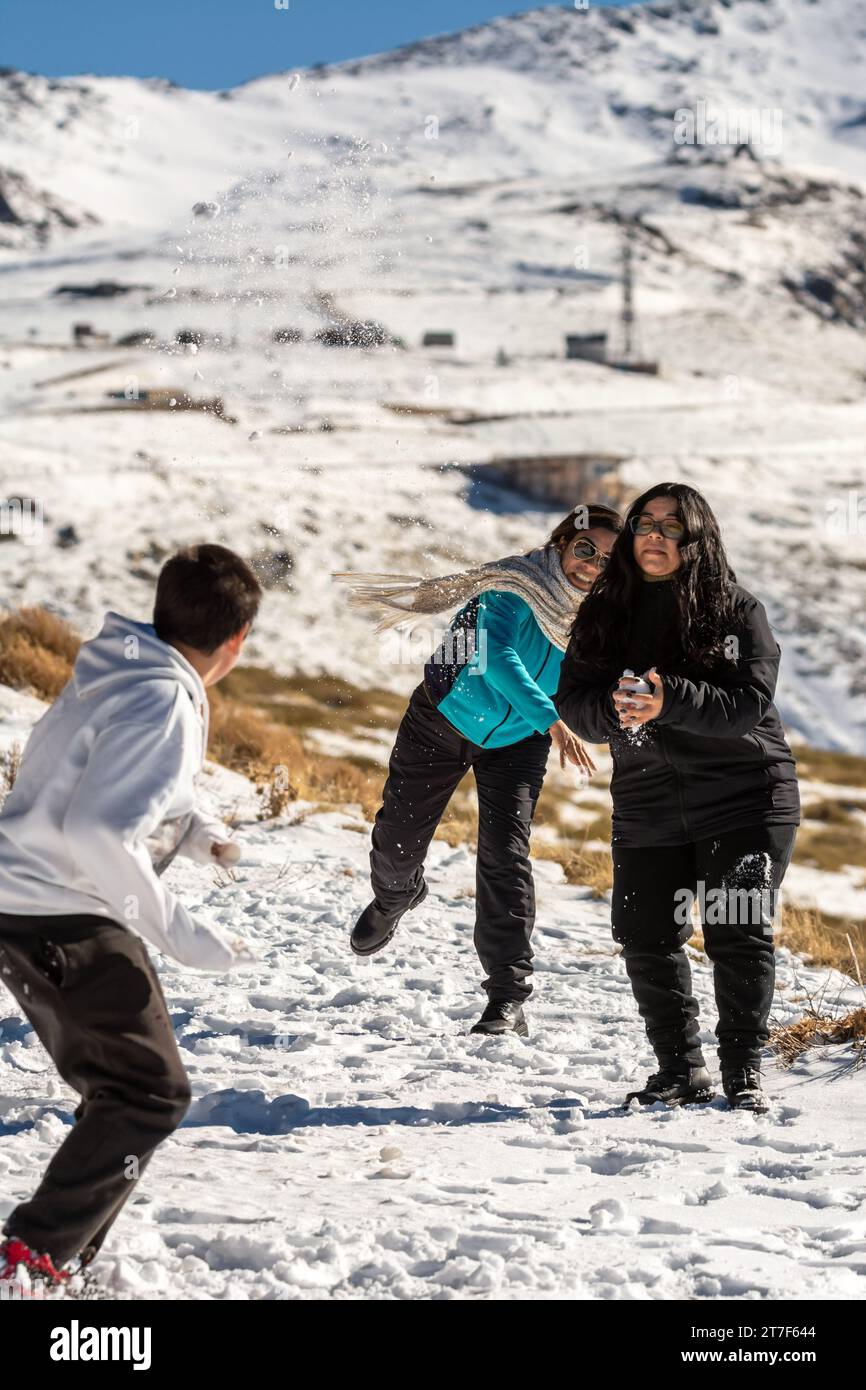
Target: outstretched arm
204,833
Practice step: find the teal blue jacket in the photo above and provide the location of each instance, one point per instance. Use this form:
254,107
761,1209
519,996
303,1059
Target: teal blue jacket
494,674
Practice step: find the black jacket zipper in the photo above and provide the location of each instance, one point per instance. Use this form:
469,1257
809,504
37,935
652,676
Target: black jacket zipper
675,770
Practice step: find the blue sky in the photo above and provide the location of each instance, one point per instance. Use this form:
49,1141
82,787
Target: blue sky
219,43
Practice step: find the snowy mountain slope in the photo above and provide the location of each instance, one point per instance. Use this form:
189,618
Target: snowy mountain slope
545,89
478,182
634,67
349,1139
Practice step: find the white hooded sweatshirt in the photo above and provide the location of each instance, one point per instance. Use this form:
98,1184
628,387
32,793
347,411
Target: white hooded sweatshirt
104,797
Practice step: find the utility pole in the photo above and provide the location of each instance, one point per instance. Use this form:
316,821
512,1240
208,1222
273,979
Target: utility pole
628,296
630,360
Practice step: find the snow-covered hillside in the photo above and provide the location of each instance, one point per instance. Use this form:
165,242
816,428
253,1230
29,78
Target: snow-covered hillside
478,182
348,1138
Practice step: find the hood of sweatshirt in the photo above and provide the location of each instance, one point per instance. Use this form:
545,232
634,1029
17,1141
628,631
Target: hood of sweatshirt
126,650
105,796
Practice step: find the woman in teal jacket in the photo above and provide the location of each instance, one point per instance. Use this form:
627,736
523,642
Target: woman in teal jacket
485,702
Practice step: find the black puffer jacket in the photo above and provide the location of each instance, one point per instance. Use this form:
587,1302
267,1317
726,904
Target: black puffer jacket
716,758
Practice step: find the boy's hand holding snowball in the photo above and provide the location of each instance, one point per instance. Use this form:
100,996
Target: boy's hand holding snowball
228,853
225,851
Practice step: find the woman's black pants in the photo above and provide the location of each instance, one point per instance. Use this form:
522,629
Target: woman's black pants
734,876
429,759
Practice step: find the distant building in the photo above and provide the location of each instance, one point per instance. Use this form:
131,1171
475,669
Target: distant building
434,338
84,335
99,289
588,347
560,480
139,337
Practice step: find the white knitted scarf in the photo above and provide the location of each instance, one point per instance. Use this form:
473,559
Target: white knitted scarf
536,577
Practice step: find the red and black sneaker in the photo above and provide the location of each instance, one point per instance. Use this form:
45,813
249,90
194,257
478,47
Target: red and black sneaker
14,1253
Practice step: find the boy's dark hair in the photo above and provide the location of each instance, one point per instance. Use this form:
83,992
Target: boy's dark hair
204,595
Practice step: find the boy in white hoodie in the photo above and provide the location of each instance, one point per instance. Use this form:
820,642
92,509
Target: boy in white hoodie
103,800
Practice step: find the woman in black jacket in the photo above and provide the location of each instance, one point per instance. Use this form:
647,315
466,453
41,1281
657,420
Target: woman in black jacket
704,786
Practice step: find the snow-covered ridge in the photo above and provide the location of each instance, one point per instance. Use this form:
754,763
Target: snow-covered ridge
562,41
620,72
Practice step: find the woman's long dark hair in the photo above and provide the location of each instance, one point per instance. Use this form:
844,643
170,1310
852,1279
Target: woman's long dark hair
601,628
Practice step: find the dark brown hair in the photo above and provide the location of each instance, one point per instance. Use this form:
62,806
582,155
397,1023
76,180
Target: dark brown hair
583,518
204,595
702,586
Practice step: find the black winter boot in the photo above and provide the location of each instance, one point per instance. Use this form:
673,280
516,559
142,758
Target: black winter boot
502,1016
742,1086
677,1083
374,928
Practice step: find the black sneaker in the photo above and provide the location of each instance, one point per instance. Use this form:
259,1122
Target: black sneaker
502,1016
675,1084
742,1086
374,928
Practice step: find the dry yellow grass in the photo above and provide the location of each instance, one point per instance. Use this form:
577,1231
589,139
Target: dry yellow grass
841,946
37,650
589,868
816,1030
838,839
10,761
275,758
823,939
826,765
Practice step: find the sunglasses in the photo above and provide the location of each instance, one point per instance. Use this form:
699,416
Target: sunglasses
645,523
585,550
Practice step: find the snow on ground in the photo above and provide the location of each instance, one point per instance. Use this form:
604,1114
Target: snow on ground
349,1139
839,894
